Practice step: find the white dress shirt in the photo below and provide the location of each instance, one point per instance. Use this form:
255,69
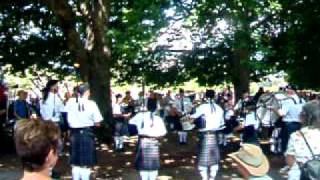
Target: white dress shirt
88,114
116,108
148,127
290,109
187,105
51,109
213,117
251,120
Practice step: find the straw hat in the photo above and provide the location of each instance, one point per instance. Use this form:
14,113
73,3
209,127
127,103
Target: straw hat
252,159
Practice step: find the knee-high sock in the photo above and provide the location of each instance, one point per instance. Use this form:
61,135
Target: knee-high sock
116,141
184,136
144,175
180,134
121,139
76,173
203,172
148,175
85,173
213,171
80,173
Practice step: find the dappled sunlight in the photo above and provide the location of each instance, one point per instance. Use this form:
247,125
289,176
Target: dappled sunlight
164,177
128,153
169,161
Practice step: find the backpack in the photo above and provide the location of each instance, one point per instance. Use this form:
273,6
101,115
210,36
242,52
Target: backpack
311,169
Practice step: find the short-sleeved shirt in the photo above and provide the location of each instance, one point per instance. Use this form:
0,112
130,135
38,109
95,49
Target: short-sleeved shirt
187,105
213,115
116,108
251,120
21,108
299,149
228,114
85,116
147,126
51,108
291,109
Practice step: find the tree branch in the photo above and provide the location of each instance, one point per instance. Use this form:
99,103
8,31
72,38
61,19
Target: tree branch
67,22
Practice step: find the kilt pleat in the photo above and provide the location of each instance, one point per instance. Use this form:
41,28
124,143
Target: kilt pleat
208,154
147,157
83,150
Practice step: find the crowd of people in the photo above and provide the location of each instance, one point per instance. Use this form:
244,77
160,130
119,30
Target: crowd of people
215,117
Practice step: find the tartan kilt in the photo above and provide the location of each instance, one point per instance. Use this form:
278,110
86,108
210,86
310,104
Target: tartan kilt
83,150
147,157
208,153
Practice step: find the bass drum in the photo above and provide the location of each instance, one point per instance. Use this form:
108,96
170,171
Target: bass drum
266,116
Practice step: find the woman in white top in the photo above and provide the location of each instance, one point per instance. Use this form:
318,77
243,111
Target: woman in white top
298,152
150,128
51,104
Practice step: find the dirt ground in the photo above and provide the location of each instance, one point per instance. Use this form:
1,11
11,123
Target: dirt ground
177,161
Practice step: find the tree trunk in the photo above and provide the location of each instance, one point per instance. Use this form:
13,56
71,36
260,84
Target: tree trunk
241,75
94,56
99,57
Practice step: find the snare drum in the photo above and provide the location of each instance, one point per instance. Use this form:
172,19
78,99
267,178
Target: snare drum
186,124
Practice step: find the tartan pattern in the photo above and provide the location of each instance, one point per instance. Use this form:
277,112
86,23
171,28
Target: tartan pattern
148,157
83,151
208,154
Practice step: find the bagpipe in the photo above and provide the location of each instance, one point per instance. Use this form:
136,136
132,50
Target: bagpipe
266,103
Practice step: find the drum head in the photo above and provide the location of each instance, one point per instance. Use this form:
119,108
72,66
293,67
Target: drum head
266,116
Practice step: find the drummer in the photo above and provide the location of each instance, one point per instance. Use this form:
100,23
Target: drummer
241,104
183,105
290,112
250,125
211,117
150,129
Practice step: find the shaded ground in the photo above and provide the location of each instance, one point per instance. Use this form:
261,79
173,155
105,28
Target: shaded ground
178,162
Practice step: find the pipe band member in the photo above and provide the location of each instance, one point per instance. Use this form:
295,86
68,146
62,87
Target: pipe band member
121,126
250,125
183,105
150,128
212,121
82,115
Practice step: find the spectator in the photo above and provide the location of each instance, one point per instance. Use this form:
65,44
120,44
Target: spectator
298,152
251,163
37,146
21,107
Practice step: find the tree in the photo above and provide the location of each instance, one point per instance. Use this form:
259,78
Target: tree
297,46
100,35
230,40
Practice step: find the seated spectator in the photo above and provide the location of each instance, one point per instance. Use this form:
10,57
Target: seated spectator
21,107
298,152
251,163
37,146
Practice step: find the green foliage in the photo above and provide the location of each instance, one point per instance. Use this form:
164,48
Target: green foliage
30,34
297,47
23,44
248,29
